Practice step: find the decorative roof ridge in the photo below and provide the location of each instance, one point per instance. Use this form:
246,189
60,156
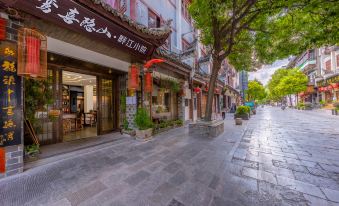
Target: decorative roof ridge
173,57
159,32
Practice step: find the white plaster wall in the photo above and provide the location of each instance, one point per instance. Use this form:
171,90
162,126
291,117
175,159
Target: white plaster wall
88,98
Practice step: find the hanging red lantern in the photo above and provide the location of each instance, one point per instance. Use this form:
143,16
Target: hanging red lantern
335,85
216,90
2,28
197,90
32,53
133,80
148,82
206,87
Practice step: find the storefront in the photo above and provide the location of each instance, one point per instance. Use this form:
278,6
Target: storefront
328,89
75,69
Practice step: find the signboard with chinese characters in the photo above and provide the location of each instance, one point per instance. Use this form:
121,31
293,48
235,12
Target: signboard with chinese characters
71,15
10,97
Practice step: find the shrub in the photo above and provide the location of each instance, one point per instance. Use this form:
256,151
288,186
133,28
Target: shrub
142,119
322,102
308,105
336,105
242,110
179,122
248,109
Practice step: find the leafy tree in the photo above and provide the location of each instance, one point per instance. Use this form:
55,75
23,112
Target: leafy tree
293,83
252,32
256,91
275,94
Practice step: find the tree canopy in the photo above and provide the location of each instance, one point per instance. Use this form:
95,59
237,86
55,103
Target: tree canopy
250,33
256,91
285,82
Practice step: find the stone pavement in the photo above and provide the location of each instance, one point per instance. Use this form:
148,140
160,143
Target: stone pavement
277,158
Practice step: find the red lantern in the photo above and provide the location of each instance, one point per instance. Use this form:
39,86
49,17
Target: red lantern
133,80
197,90
2,28
32,53
206,87
148,82
320,89
216,90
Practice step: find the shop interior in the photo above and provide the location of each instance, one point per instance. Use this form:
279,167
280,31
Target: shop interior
79,103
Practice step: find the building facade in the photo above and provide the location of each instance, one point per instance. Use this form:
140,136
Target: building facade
68,66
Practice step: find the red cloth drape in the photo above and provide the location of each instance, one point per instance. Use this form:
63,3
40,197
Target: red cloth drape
148,82
32,56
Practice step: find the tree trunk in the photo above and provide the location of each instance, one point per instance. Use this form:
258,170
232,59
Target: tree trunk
290,96
215,69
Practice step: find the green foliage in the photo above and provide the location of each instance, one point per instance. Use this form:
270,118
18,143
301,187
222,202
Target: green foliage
322,102
123,103
269,29
256,91
243,110
286,82
142,119
32,149
301,105
38,94
125,124
175,87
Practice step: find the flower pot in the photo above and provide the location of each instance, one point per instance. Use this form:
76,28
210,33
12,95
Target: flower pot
144,134
238,121
242,116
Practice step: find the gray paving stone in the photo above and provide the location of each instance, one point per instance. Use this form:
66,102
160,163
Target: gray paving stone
172,167
332,195
178,179
85,193
300,186
259,175
137,178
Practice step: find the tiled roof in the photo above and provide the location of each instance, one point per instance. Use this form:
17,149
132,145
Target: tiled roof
175,58
158,32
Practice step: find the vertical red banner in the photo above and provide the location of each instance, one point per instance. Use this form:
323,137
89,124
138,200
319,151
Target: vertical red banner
2,160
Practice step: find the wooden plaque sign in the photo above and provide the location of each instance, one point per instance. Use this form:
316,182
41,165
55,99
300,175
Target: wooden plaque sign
71,15
10,97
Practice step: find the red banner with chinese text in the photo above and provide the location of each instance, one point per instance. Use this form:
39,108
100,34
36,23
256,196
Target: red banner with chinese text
148,82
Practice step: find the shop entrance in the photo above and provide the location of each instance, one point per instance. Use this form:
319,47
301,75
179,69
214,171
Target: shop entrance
79,106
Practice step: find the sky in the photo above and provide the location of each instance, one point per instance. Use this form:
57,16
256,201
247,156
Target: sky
264,74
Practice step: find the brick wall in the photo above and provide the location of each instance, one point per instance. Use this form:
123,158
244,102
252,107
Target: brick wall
13,154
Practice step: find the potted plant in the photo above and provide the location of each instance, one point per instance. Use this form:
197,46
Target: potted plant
32,151
238,121
336,108
144,124
242,112
308,106
322,103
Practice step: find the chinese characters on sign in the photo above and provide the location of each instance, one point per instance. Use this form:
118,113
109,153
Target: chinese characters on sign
72,15
10,94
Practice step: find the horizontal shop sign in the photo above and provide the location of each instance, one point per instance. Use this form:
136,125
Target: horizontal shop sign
69,14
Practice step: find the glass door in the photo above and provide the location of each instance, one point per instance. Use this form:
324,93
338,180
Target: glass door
106,105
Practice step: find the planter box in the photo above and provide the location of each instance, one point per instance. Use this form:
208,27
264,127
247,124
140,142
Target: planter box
206,129
242,116
238,121
144,134
129,132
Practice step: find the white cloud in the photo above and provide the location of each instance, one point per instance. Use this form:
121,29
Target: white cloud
265,73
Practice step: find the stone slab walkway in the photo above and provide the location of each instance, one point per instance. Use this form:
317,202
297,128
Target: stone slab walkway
277,158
